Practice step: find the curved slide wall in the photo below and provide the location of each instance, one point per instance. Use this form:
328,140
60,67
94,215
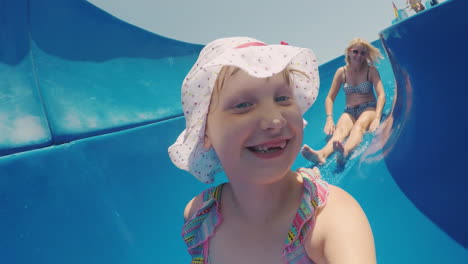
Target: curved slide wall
427,147
71,71
95,184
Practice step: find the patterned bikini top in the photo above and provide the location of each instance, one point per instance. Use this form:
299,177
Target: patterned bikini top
201,226
362,88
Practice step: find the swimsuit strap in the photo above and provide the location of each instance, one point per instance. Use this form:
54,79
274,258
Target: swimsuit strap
198,229
368,72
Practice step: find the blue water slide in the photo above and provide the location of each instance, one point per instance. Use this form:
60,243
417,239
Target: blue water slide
427,147
64,48
89,105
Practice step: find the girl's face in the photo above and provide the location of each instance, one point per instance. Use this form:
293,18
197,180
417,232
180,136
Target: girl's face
255,126
358,54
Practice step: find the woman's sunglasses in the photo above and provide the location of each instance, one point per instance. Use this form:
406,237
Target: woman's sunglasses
355,51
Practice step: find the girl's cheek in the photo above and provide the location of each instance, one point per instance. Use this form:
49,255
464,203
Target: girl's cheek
294,114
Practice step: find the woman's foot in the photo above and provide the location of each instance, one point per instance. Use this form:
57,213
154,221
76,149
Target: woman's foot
313,155
341,156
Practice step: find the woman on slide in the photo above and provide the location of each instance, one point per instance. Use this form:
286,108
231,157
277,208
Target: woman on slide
363,111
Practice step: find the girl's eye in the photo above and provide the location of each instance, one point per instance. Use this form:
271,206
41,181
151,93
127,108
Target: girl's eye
242,108
282,99
242,105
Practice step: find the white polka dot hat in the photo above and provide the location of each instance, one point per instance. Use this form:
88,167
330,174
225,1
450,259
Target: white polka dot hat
258,60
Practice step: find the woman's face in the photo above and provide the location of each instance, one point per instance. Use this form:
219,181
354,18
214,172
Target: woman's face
255,126
358,54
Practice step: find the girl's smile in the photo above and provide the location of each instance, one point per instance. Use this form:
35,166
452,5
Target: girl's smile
255,125
270,149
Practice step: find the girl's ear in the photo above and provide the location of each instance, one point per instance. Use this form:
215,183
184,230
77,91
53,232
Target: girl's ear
207,143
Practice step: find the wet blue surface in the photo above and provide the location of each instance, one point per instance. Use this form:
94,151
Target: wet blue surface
91,181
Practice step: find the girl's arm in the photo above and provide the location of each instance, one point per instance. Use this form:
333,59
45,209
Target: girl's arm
342,234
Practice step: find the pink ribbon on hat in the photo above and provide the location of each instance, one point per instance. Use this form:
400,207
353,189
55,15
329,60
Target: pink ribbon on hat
249,44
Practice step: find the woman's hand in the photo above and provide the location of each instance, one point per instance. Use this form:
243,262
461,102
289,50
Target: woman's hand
329,126
374,125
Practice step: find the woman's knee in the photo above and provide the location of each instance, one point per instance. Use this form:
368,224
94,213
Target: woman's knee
342,131
359,128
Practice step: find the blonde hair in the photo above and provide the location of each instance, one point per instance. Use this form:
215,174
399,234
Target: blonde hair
373,54
227,71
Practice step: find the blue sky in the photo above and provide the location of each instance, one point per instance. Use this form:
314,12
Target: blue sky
324,26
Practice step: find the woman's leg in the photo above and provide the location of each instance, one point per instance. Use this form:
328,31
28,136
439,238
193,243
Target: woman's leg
343,127
355,137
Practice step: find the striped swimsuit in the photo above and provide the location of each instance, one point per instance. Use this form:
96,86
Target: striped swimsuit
201,226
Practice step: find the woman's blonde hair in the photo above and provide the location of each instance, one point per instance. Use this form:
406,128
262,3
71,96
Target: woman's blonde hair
373,54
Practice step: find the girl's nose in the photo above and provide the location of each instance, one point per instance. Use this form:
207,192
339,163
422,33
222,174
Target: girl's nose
271,123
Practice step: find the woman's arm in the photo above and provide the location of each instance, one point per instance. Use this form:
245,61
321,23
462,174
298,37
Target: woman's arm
342,232
375,77
334,89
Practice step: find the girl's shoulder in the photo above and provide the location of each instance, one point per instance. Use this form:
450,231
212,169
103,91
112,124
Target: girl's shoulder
344,222
201,218
339,204
197,202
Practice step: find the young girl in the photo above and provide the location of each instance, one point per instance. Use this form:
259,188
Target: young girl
363,110
243,102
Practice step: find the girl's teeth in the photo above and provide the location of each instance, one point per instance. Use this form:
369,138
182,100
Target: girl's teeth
264,149
283,144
